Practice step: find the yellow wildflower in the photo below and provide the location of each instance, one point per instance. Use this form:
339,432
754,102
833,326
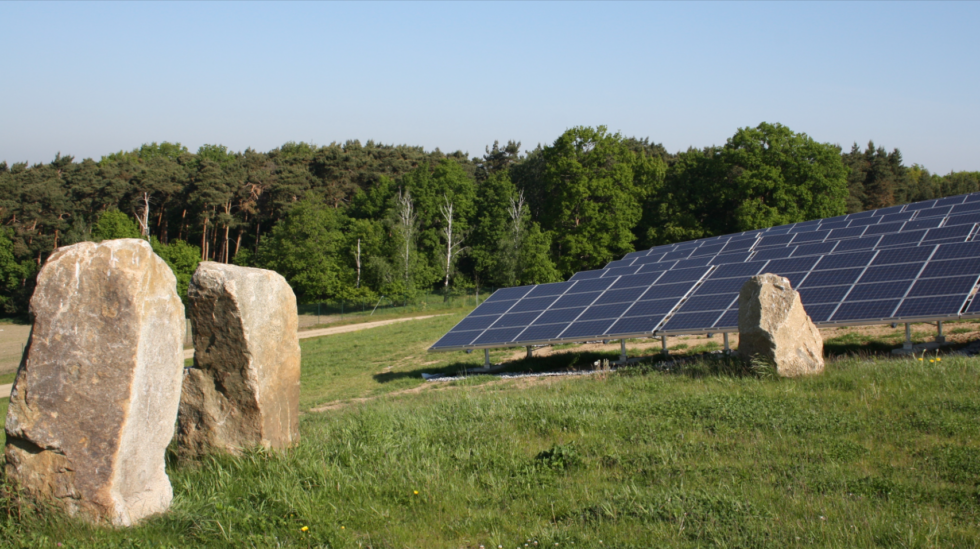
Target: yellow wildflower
305,528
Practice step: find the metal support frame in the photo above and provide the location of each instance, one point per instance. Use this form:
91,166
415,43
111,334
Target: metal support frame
622,350
529,351
486,358
940,338
908,337
663,343
727,348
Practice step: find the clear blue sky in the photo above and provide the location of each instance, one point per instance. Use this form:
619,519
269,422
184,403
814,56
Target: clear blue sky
88,79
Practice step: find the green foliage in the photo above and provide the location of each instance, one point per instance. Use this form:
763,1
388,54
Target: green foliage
534,261
763,176
782,177
114,224
923,185
492,227
590,197
430,190
304,248
507,247
876,177
182,258
15,277
593,188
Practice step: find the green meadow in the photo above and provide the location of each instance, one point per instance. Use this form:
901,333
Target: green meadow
876,452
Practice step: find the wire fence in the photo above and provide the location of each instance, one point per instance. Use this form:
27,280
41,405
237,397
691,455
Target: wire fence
334,310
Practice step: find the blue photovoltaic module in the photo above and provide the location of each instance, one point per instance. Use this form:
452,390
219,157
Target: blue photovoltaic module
904,263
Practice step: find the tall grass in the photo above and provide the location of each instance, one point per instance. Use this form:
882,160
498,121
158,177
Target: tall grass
873,453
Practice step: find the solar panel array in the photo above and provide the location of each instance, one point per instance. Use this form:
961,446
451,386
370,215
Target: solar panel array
912,262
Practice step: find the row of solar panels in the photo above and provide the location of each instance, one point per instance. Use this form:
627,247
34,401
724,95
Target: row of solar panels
945,212
863,268
957,233
919,283
853,238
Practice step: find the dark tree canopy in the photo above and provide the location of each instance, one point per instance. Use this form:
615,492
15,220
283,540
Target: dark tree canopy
358,220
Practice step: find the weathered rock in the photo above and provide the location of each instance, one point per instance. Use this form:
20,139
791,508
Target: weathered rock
772,325
244,389
95,400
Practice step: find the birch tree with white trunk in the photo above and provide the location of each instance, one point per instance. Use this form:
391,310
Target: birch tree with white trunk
453,242
407,225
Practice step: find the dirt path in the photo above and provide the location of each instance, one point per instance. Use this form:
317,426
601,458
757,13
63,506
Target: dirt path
189,353
13,337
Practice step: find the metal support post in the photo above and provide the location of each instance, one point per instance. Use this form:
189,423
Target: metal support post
529,355
940,338
908,337
663,343
486,358
727,348
622,350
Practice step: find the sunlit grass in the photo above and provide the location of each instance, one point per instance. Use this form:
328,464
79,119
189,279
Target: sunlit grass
873,453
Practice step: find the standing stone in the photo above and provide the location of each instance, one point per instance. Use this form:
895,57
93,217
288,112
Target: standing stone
95,400
772,325
243,391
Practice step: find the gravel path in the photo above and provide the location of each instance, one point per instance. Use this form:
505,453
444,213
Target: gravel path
189,353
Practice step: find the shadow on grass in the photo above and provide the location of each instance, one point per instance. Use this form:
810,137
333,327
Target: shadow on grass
559,362
701,366
832,349
865,346
697,366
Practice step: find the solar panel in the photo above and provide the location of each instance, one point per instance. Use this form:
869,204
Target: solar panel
823,295
652,307
544,332
559,315
588,329
914,261
832,277
636,324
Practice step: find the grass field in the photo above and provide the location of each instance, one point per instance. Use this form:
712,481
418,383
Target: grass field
876,452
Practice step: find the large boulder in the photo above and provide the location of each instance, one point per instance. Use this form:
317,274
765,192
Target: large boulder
773,326
243,391
95,400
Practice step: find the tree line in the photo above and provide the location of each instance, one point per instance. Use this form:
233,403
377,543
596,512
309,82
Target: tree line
355,221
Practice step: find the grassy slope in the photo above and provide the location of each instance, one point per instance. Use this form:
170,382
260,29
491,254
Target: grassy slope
869,454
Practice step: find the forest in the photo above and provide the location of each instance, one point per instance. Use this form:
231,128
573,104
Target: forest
355,221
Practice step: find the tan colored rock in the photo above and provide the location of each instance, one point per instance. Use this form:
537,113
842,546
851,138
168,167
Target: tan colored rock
244,389
95,400
772,325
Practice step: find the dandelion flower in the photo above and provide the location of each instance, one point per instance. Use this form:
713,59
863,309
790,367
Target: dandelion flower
920,359
939,359
416,492
931,360
305,528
